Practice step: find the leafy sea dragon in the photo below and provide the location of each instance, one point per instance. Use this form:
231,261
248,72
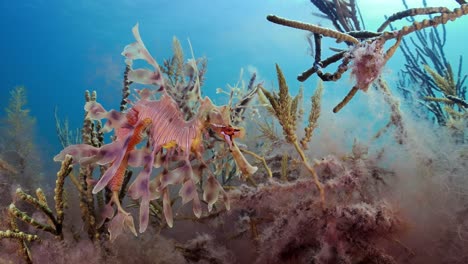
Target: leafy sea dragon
161,123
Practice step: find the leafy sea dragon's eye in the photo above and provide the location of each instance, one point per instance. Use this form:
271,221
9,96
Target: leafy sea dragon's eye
229,132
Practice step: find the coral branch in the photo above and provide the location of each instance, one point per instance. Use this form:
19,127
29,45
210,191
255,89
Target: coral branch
438,20
365,47
41,206
18,235
412,12
313,28
346,100
64,171
29,220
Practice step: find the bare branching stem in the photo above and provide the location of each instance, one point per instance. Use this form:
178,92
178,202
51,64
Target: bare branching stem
317,182
346,100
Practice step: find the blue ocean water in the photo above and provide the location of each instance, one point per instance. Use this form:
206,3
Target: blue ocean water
58,49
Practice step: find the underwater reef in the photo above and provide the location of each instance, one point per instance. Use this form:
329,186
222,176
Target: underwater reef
172,177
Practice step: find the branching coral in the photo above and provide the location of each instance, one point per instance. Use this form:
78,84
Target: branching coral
366,48
428,79
91,136
54,222
453,96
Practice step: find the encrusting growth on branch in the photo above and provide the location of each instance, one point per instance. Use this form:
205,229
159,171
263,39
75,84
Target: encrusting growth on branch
346,100
29,220
125,89
64,171
90,136
55,223
18,235
339,36
412,12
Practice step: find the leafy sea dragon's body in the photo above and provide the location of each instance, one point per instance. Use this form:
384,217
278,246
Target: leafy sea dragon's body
160,122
